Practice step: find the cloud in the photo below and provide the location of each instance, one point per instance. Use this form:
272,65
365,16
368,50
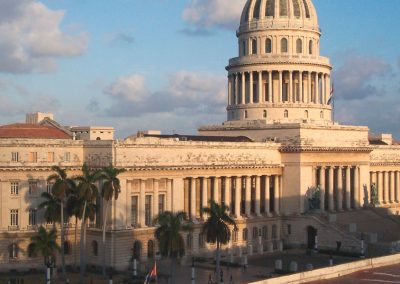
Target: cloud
186,93
119,39
213,13
31,38
355,78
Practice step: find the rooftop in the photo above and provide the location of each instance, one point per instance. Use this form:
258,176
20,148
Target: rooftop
33,131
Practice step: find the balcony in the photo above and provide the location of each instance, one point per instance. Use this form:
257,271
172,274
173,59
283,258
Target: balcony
13,228
278,58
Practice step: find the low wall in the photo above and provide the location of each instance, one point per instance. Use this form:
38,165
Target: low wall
334,271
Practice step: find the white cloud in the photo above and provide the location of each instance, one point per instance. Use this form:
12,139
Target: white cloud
213,13
31,38
186,93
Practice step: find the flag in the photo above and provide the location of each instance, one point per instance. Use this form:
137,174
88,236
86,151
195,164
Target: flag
331,95
151,275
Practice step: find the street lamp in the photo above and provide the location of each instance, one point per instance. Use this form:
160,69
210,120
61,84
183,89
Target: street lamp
49,265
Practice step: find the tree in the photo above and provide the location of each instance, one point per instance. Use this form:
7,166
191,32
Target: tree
45,244
216,228
74,208
88,191
168,234
61,188
111,189
52,208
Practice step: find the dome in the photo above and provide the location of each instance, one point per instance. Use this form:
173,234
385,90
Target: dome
279,13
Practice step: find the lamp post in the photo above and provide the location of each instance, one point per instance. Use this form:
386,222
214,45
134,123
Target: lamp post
193,272
49,265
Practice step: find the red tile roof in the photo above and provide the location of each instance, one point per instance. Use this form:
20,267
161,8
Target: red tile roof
33,131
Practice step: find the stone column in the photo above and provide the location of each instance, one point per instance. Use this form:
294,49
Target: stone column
322,186
238,197
357,201
204,197
290,91
391,188
169,195
243,88
229,90
258,195
216,190
301,98
261,97
271,97
155,199
193,199
237,88
267,195
228,192
397,191
348,189
316,88
280,99
251,92
314,177
277,195
309,95
331,189
142,201
328,88
323,89
386,187
379,183
248,197
339,189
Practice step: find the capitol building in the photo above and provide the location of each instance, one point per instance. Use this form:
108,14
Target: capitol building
278,146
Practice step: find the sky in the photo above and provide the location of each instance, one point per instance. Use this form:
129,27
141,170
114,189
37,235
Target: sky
160,64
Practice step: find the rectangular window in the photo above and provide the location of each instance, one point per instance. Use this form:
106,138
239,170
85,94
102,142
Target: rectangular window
50,157
67,156
134,210
33,187
148,210
161,203
289,229
14,188
14,217
33,157
14,156
32,217
49,187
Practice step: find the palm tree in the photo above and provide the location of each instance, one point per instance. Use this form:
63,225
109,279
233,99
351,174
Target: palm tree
45,243
75,208
169,237
216,228
88,191
52,207
111,189
62,186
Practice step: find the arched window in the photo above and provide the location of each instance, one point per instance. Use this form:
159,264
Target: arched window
286,113
95,248
234,235
299,46
268,45
244,47
284,45
310,47
264,233
256,12
202,243
13,251
306,114
253,46
150,249
270,8
245,235
246,114
31,251
67,247
274,232
321,114
264,114
137,250
189,241
255,233
98,138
